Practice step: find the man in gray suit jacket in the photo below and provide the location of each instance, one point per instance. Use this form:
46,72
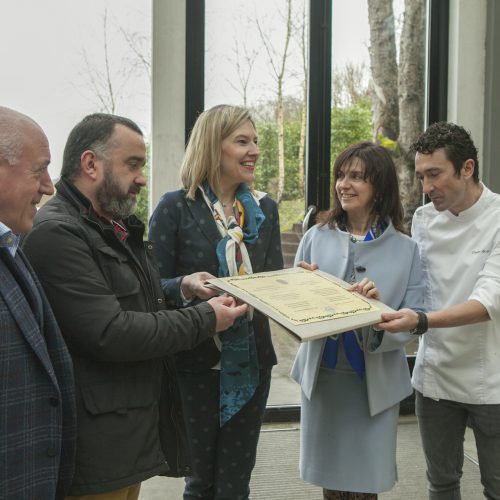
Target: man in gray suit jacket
37,413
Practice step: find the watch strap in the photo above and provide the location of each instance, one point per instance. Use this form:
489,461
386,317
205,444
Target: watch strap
422,325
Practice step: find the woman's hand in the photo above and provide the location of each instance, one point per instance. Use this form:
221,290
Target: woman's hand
367,288
309,267
194,285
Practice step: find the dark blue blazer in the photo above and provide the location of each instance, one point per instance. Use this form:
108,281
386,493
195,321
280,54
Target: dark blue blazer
37,409
186,237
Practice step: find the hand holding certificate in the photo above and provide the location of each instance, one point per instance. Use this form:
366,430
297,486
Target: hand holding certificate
310,304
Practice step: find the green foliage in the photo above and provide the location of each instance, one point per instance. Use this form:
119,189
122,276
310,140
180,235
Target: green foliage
142,209
266,175
350,124
291,212
267,167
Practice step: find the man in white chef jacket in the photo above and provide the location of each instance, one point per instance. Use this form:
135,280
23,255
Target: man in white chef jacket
457,370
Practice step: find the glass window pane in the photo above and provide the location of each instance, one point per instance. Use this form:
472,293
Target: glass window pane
63,60
378,80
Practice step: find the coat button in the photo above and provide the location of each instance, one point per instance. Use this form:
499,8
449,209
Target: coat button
54,401
51,452
150,247
160,301
360,269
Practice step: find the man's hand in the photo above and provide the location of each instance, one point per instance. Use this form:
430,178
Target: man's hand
367,288
403,320
466,313
194,284
226,311
309,267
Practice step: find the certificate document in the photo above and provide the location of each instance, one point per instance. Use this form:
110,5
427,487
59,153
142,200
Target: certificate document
310,304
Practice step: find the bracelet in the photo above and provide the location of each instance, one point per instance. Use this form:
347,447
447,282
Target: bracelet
422,324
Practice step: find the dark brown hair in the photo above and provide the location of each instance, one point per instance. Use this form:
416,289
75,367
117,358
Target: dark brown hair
380,170
456,142
93,133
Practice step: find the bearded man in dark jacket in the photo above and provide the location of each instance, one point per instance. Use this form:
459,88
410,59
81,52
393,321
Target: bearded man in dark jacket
103,284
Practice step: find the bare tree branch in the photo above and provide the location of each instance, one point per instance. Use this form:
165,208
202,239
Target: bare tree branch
134,41
244,60
108,80
109,83
302,41
278,65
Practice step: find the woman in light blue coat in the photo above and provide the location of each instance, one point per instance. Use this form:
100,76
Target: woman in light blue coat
352,383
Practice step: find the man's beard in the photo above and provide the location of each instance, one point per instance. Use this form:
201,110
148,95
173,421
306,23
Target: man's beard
113,202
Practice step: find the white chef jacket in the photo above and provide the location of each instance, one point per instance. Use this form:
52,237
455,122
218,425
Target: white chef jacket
461,261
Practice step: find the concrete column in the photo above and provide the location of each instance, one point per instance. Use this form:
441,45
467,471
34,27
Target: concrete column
168,91
466,71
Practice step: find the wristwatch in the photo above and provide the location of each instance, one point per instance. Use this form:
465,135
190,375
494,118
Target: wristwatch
422,324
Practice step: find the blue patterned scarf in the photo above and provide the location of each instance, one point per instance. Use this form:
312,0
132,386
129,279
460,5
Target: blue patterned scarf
239,363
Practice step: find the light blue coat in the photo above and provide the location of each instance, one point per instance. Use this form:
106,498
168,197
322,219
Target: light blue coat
392,261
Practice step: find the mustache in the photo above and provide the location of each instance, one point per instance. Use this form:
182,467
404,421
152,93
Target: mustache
135,189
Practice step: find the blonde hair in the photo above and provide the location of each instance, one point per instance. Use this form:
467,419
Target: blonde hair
203,152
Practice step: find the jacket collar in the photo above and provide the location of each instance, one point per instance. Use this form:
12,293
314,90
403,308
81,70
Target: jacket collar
80,202
17,302
204,218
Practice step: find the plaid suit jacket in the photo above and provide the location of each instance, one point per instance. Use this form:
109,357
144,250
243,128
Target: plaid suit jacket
37,413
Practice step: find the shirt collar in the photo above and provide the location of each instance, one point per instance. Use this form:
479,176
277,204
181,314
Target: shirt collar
8,239
119,227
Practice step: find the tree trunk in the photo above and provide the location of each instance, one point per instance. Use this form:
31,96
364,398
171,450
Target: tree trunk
303,113
411,73
398,92
384,69
280,119
280,115
411,100
302,144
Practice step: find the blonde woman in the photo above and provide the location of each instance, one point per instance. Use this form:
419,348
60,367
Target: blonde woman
217,225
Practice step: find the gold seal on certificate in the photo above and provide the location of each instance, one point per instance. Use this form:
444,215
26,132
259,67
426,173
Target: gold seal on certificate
311,304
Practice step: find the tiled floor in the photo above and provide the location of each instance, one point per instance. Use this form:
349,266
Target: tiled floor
276,475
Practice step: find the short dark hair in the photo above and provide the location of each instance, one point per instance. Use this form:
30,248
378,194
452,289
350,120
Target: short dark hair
92,133
379,168
456,142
